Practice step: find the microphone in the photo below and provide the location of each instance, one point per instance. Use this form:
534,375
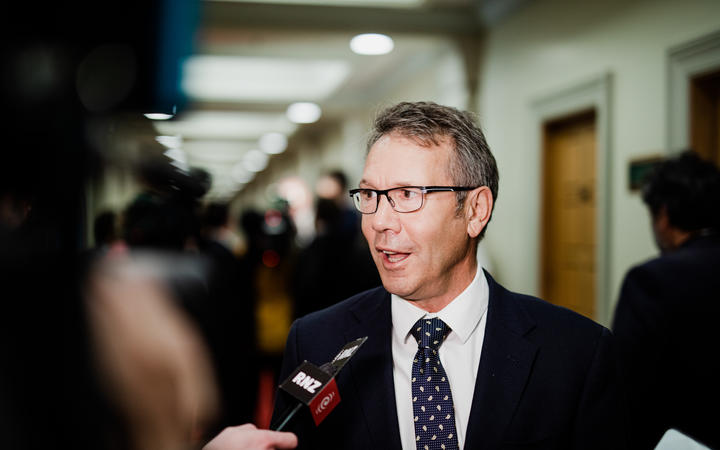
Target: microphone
315,386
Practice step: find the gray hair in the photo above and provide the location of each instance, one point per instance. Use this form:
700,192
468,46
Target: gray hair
424,122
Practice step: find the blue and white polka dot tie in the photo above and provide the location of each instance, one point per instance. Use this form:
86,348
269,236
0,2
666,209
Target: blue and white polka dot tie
433,411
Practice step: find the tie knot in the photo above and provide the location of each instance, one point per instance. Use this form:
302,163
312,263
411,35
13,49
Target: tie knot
430,332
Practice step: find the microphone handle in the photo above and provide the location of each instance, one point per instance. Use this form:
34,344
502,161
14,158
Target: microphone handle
289,416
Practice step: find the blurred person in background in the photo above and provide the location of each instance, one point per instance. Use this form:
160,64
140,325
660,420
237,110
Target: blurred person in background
217,227
42,384
336,264
37,271
668,308
165,213
269,263
271,260
333,185
153,365
50,396
105,230
294,197
166,218
152,362
233,309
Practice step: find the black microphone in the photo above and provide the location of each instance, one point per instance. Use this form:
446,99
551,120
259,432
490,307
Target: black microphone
315,386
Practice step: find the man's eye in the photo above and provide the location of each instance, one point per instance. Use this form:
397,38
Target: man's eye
367,195
408,194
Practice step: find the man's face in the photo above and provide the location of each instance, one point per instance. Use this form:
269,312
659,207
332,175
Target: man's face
426,255
328,187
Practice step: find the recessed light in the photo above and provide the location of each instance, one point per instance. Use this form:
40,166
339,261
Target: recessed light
255,161
216,78
303,112
372,44
240,174
170,141
158,116
176,155
273,143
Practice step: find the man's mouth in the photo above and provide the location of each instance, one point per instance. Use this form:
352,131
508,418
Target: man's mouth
394,257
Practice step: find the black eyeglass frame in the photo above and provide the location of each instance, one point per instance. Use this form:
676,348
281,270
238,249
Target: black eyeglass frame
423,190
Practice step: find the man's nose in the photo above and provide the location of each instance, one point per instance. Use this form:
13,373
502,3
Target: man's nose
385,218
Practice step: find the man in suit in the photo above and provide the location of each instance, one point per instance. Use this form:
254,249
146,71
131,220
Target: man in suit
666,316
452,360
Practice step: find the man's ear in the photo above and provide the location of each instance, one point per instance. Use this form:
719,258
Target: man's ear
478,207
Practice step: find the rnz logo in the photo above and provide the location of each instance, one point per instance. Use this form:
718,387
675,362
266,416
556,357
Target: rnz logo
306,382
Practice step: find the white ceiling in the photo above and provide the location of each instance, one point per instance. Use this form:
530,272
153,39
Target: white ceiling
253,59
377,3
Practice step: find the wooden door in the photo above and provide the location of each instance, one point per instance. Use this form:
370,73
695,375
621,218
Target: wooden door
705,116
568,217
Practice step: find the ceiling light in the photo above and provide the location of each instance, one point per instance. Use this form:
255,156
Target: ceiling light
225,125
170,141
303,112
273,143
240,174
217,151
371,44
216,78
180,165
158,116
176,155
255,161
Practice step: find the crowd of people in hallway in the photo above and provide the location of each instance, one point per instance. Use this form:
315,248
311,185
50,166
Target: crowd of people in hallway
221,268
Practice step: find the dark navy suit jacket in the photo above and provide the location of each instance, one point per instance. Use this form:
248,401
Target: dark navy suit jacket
666,328
547,377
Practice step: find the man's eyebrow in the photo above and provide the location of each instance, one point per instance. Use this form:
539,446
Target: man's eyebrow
365,184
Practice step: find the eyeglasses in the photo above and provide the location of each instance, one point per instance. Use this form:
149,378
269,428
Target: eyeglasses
403,199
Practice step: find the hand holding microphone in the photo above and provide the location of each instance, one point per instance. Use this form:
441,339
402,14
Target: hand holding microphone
248,437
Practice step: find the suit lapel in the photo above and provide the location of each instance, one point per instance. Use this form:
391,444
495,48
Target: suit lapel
504,368
372,370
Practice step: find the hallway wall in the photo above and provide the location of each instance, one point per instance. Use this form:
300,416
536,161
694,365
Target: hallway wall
553,45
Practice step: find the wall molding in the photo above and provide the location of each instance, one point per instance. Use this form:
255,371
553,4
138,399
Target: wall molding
684,62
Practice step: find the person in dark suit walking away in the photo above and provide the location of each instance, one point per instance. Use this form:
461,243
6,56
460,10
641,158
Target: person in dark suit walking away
668,307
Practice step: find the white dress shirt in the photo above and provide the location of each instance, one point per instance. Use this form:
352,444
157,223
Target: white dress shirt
459,354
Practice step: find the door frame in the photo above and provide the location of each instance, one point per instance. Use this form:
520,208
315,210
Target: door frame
684,62
593,93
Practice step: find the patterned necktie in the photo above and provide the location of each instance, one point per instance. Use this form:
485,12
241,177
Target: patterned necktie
433,411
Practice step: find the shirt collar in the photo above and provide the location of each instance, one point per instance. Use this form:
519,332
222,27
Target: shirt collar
462,314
